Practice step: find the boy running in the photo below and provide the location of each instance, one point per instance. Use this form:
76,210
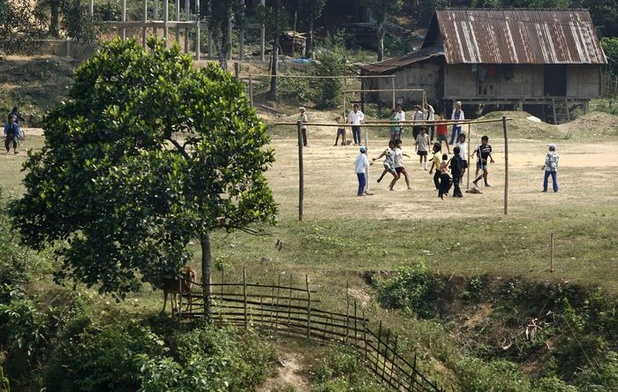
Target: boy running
482,152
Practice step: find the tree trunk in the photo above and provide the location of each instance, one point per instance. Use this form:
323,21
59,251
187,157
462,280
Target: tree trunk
54,20
309,41
206,273
380,41
272,94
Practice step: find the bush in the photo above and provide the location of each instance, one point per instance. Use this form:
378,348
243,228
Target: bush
500,375
411,289
343,370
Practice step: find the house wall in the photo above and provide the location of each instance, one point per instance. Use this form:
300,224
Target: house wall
469,82
516,82
417,77
584,81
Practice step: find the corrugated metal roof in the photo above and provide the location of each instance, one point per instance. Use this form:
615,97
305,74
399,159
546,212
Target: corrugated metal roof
517,37
395,63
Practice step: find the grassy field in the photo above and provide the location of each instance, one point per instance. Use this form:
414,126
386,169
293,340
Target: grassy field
344,238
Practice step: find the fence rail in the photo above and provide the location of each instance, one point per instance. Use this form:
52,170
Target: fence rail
290,310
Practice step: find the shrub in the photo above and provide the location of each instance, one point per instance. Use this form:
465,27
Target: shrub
343,370
411,289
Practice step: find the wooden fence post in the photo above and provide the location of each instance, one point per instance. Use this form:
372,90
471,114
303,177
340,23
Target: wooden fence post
244,294
308,306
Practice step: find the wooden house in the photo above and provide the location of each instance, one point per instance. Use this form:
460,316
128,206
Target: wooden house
546,62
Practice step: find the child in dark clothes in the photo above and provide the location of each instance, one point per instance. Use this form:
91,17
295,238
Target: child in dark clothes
445,179
457,168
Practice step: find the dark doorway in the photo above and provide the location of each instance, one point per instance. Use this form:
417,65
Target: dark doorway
555,80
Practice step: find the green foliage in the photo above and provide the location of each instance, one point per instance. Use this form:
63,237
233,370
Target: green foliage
91,355
499,375
331,61
343,370
20,28
148,153
208,359
78,23
413,289
553,384
296,91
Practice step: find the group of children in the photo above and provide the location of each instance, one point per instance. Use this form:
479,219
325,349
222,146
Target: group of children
448,172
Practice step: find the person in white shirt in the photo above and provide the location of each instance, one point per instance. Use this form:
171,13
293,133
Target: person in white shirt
430,116
417,116
361,165
422,146
463,153
355,118
457,114
401,118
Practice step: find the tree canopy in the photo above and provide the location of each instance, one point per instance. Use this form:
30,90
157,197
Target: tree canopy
147,154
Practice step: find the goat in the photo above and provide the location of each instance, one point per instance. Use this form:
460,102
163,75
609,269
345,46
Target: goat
178,284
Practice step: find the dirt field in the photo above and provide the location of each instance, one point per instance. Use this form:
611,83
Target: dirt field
587,174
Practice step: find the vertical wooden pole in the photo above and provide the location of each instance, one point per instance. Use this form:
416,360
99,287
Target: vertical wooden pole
393,92
144,29
262,35
378,347
469,169
124,19
551,245
178,19
244,295
166,19
506,167
155,16
301,179
347,312
198,31
308,306
251,90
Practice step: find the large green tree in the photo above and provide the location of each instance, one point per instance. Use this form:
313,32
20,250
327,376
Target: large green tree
147,154
20,28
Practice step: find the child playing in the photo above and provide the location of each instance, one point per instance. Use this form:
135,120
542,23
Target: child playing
483,152
422,145
445,179
340,132
398,155
361,164
389,164
551,168
463,153
456,170
441,132
435,163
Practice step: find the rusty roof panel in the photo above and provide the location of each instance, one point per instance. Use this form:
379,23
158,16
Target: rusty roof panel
402,61
518,37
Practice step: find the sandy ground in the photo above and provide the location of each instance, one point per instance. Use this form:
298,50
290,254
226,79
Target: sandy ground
586,177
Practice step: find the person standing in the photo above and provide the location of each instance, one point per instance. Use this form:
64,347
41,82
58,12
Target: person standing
456,167
401,118
551,168
457,115
441,132
445,179
422,146
18,117
303,119
483,152
417,116
361,165
463,150
395,128
11,134
431,116
355,118
340,132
